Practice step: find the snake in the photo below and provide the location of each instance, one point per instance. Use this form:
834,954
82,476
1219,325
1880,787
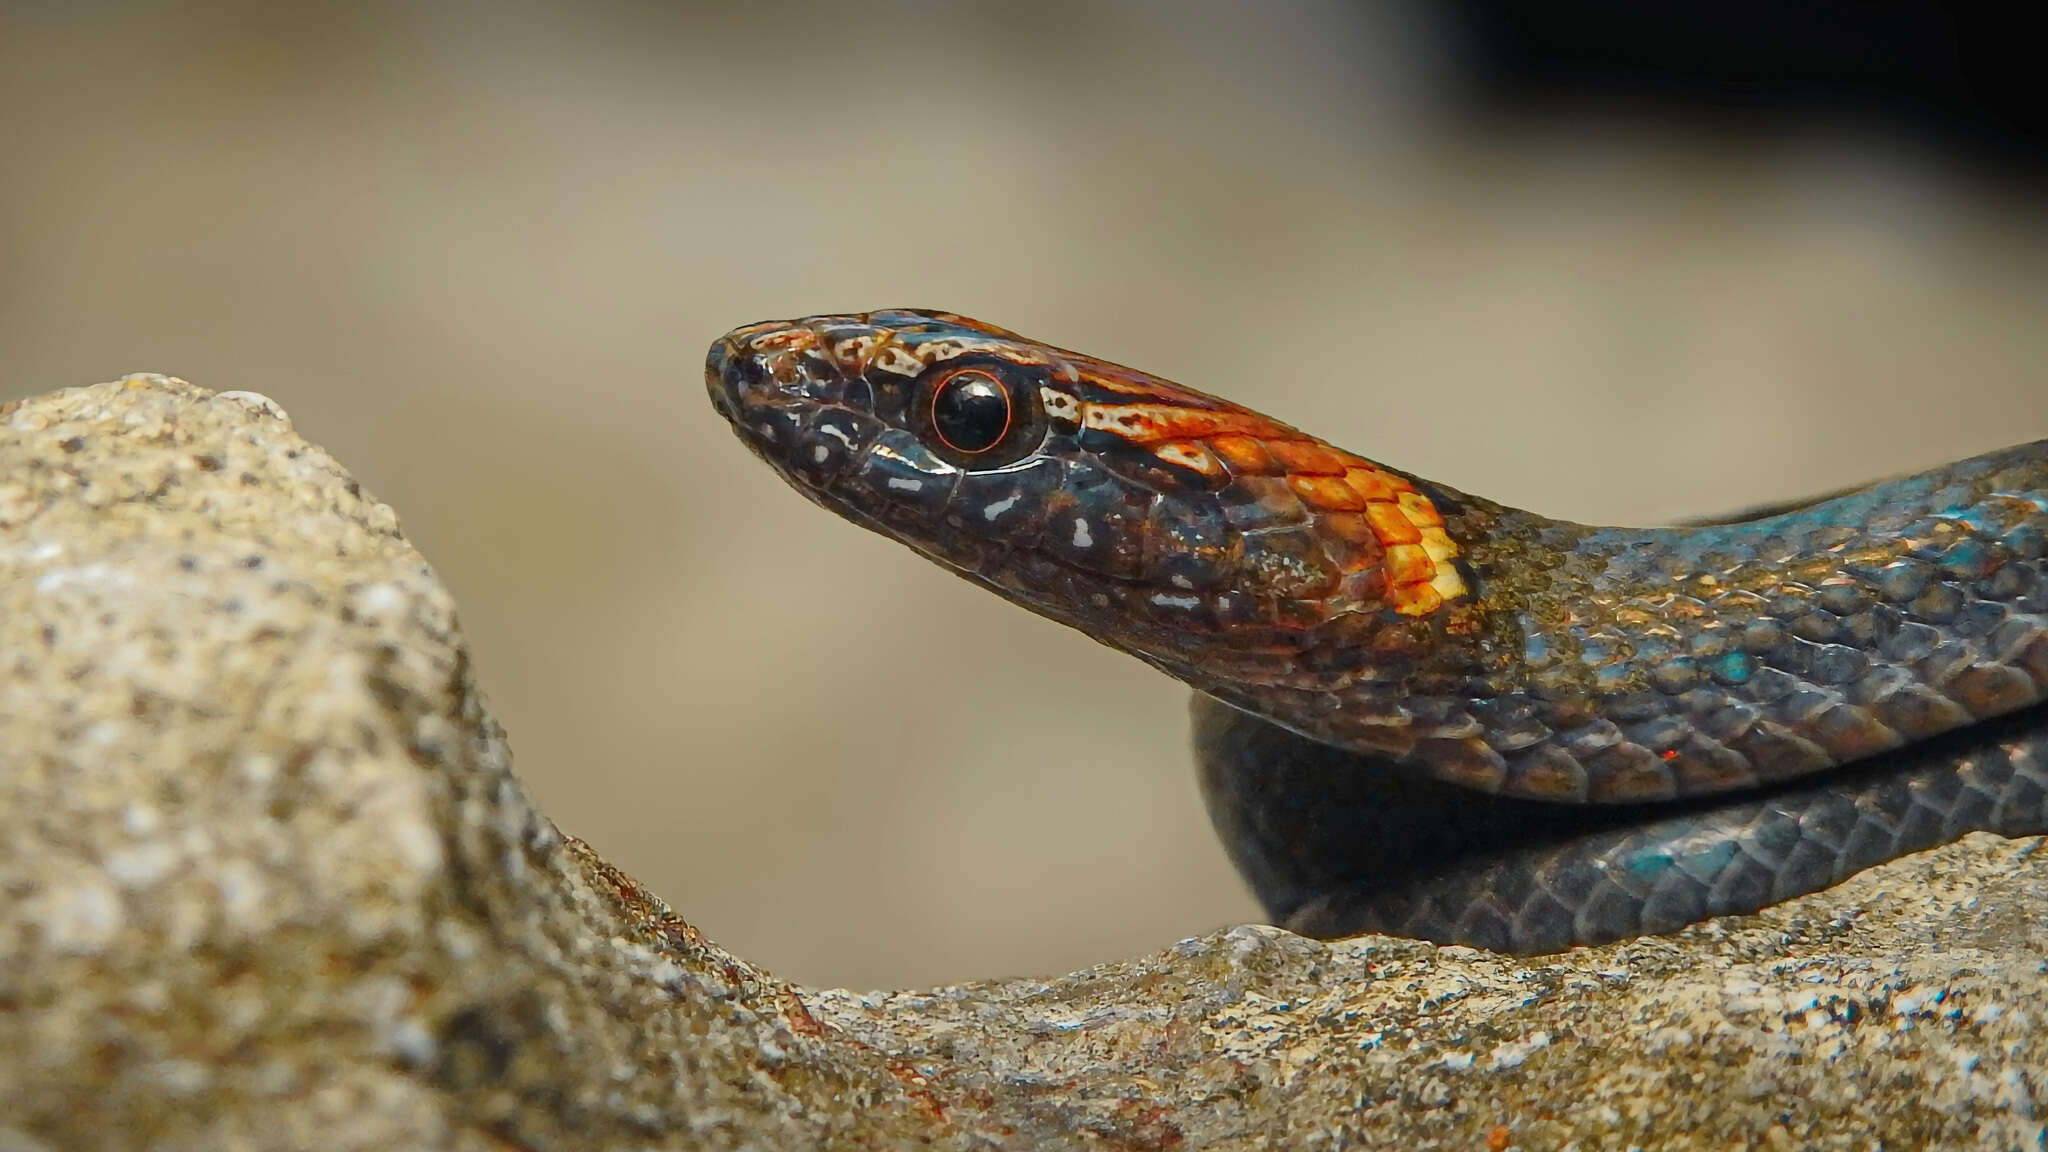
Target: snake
1421,713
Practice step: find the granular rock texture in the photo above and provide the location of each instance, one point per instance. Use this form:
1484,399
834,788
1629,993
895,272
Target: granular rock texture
267,881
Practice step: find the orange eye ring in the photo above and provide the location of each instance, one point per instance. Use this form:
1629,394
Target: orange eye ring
971,411
979,413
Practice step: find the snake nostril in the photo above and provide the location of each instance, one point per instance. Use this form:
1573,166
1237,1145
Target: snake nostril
743,373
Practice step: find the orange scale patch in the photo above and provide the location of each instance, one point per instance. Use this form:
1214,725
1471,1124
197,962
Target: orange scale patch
1416,599
1327,492
1309,457
1370,483
1413,561
1408,564
1419,510
1392,525
1244,454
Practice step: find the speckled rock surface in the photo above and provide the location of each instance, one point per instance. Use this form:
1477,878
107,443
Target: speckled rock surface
267,881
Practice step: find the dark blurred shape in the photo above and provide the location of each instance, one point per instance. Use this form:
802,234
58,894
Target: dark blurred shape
1953,79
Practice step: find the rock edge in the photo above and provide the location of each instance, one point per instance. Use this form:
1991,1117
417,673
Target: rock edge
267,880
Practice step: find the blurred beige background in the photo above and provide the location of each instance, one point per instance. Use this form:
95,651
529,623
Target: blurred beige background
477,249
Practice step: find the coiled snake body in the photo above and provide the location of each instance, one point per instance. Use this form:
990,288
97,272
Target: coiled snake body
1424,713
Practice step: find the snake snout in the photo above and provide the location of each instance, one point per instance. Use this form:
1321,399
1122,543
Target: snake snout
771,384
728,375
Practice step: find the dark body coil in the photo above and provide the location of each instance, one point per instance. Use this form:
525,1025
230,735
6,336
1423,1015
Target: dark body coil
1334,845
1435,715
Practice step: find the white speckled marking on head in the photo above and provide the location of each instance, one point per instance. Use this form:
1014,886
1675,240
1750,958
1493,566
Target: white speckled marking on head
1001,506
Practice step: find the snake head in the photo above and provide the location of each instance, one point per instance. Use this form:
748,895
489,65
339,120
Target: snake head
1172,524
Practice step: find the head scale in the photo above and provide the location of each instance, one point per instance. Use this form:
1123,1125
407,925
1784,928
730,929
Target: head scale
1199,535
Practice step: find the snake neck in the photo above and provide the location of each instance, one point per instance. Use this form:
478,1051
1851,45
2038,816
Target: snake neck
1611,664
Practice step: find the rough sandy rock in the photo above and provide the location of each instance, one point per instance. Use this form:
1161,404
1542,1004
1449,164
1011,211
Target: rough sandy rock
267,881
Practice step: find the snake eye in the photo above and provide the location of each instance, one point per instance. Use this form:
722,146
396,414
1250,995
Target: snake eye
970,411
981,414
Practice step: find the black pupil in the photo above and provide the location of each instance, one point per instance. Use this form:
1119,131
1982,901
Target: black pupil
972,412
